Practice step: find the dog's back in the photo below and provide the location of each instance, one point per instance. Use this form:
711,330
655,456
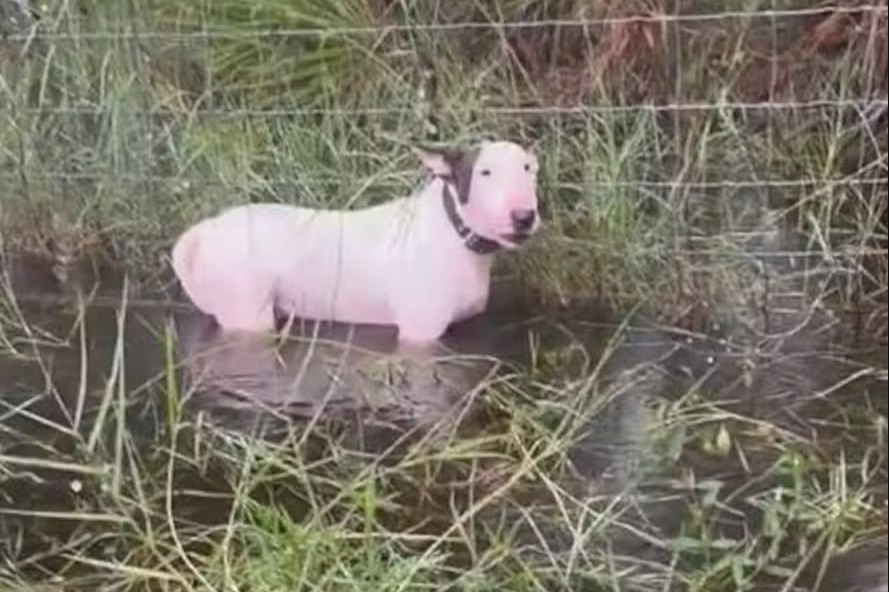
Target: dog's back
314,263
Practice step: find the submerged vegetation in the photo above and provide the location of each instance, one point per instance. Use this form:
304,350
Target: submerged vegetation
718,167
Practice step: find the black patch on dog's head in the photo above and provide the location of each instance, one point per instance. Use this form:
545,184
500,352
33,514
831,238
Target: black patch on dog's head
462,176
461,164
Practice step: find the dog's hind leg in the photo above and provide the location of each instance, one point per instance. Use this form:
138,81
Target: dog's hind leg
246,306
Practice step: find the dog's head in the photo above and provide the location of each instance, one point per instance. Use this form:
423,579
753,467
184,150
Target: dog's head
495,184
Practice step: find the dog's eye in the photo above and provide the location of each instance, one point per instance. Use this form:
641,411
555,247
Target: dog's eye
527,167
485,172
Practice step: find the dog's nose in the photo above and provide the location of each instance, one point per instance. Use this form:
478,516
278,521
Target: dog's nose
523,220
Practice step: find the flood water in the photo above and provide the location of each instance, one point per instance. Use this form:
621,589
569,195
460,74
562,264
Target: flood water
68,353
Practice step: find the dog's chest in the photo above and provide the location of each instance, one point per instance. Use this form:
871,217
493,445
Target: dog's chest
468,288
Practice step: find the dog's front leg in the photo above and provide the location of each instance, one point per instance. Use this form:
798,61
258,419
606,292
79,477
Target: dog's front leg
418,348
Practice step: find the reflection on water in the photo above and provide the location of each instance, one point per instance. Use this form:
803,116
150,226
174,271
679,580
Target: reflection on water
316,369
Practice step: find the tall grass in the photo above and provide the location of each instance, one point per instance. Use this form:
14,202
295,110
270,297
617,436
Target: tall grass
149,494
113,139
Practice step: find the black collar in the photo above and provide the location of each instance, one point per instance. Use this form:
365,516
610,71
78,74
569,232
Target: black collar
474,242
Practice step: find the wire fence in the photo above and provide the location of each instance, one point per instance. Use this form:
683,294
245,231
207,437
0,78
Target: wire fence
487,25
84,124
866,108
823,184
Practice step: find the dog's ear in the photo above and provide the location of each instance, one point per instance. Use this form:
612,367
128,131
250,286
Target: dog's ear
440,161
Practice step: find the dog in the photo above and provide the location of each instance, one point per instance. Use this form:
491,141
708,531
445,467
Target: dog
420,263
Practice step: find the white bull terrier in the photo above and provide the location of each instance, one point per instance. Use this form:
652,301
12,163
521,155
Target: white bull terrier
419,263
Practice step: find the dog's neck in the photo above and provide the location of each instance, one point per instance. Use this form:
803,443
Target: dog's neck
475,243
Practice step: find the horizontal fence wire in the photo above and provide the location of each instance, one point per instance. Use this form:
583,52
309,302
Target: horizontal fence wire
868,108
837,260
659,18
834,262
819,184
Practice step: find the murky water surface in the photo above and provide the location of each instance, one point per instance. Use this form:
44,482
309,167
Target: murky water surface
62,358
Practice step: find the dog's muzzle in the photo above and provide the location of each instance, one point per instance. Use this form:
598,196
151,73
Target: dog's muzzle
523,221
